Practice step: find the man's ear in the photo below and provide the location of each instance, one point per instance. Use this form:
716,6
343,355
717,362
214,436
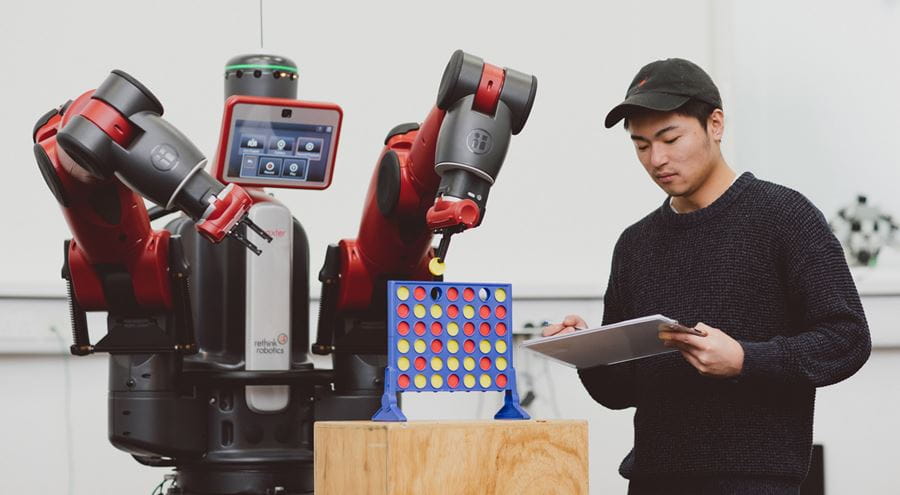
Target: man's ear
715,125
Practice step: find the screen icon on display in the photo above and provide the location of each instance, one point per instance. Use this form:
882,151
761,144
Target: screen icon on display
295,168
252,142
309,146
281,144
270,166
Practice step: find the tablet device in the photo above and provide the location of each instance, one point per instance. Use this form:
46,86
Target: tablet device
276,142
610,344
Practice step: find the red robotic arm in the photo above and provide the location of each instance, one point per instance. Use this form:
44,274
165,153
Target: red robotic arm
435,178
432,178
96,154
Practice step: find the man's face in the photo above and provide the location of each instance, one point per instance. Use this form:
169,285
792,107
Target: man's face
675,150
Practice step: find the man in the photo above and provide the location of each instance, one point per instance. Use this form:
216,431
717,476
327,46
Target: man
751,264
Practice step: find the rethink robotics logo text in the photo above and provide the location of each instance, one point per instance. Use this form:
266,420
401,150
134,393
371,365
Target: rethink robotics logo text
273,346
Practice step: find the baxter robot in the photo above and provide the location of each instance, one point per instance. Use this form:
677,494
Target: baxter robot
208,319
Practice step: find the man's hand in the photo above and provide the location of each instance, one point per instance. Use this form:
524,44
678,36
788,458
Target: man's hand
716,354
569,324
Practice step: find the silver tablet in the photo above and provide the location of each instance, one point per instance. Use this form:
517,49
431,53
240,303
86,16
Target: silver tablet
610,344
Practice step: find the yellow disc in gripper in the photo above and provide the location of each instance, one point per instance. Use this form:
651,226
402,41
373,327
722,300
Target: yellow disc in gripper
436,267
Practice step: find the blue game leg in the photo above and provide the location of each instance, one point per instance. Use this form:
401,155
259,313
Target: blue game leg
511,408
389,410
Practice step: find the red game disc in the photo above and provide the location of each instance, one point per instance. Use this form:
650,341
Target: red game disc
436,328
485,363
468,294
403,310
469,328
452,311
501,380
419,293
485,328
484,312
420,363
469,346
403,381
452,293
500,328
419,328
500,311
403,328
436,346
452,380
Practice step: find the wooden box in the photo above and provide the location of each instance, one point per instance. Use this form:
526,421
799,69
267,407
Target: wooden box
451,457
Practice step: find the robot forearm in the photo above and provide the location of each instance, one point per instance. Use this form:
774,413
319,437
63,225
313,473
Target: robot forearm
118,131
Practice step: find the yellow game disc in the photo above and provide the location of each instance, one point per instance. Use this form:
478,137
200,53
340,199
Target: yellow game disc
485,346
500,295
419,346
500,346
469,363
436,311
402,293
420,381
501,363
469,381
437,364
452,363
452,328
469,311
403,345
436,381
403,363
485,380
452,346
419,311
436,267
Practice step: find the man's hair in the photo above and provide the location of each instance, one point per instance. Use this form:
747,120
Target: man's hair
698,109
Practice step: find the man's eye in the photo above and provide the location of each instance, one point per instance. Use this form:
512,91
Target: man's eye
670,141
643,148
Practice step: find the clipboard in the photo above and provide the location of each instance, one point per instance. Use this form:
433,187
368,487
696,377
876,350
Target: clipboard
611,344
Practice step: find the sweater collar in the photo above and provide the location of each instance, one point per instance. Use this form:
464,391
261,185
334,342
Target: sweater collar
699,216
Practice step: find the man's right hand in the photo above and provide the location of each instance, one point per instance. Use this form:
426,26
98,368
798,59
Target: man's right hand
569,324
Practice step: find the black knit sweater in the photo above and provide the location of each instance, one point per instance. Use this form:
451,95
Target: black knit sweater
761,264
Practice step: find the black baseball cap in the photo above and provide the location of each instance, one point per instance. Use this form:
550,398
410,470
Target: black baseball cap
665,85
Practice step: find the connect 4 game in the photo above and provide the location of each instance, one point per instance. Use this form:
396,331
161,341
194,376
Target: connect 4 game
449,337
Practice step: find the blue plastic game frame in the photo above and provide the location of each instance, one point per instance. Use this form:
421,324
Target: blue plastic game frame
491,305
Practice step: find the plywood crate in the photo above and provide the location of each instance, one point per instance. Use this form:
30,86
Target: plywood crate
451,457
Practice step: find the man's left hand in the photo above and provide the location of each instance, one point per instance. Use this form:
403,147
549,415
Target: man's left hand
716,354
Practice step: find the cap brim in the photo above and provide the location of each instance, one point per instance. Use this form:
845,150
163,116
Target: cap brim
661,102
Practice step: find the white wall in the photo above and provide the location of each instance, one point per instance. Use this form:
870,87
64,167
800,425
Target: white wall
811,102
814,100
382,61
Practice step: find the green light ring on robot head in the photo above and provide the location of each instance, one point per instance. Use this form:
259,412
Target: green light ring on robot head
285,68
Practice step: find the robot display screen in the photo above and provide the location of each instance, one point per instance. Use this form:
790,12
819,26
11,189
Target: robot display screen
288,148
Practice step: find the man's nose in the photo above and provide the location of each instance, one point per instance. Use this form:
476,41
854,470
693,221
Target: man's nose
658,156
